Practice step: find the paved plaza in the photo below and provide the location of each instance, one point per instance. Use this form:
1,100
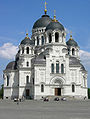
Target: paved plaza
45,110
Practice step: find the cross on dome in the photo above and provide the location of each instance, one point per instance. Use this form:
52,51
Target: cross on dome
45,8
55,17
70,35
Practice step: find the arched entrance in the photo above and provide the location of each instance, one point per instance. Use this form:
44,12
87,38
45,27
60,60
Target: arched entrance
57,84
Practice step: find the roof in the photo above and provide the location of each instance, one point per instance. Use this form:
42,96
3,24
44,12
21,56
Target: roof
42,22
55,25
83,68
27,41
11,66
41,58
72,42
73,61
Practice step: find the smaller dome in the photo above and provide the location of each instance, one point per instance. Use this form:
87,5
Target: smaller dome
11,66
55,25
27,41
72,42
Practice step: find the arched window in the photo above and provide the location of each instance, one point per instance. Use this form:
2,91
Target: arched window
62,68
73,51
73,88
45,57
27,63
33,81
37,40
7,80
42,88
27,50
68,51
27,79
52,68
50,38
42,40
62,37
22,50
34,41
56,37
57,67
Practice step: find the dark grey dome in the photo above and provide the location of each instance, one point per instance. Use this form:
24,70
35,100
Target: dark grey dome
42,22
71,42
11,66
27,41
55,25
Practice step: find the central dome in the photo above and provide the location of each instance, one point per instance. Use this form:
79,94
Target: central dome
55,25
42,22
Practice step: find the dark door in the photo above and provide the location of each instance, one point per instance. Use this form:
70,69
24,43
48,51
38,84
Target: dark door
57,91
27,92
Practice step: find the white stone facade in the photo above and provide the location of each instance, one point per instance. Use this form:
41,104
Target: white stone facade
46,65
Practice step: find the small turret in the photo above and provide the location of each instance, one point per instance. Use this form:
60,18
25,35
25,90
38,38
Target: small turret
73,48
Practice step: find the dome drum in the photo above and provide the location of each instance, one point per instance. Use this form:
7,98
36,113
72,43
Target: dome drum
38,30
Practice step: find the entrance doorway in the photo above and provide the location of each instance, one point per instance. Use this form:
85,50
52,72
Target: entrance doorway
27,93
57,91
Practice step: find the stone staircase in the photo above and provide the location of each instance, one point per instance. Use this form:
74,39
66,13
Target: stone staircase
51,98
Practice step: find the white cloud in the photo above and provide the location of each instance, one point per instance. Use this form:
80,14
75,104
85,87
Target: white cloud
8,51
85,57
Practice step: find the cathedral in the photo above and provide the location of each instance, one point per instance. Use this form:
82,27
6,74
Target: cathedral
46,65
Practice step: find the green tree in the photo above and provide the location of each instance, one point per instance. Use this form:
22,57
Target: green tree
1,92
88,93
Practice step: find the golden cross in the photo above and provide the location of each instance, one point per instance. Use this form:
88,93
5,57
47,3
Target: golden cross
45,4
71,35
55,16
54,12
45,8
26,32
70,32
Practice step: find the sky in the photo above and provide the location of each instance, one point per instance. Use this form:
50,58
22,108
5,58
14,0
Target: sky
18,16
